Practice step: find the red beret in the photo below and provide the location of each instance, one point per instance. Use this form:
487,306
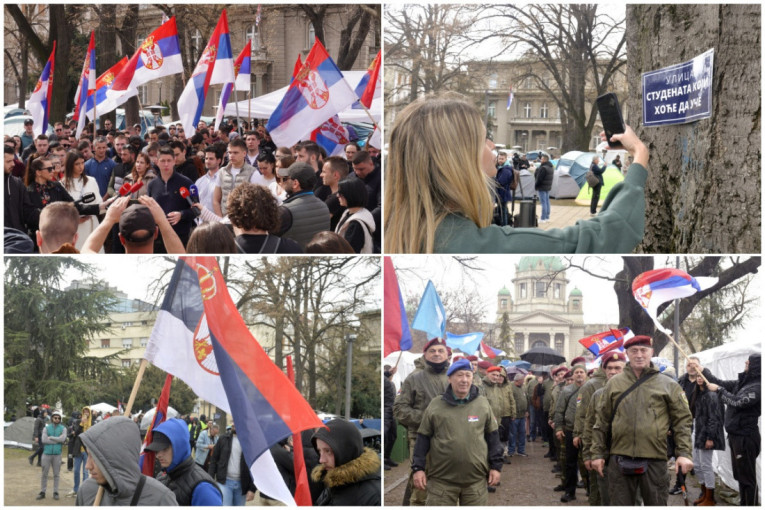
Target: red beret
472,358
556,370
568,374
457,358
613,356
578,361
639,340
432,342
484,364
494,369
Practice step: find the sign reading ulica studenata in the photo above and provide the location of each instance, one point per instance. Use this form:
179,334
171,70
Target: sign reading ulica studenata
679,94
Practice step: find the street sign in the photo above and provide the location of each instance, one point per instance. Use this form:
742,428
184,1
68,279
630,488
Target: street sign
680,93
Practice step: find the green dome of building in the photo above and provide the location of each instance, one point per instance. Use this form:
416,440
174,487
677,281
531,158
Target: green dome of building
531,263
575,292
504,291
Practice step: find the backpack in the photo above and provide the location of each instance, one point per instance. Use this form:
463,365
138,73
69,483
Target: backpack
592,179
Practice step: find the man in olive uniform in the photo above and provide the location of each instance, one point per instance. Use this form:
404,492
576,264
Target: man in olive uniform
459,436
612,364
558,383
497,389
477,379
565,412
548,385
594,383
418,389
649,408
517,439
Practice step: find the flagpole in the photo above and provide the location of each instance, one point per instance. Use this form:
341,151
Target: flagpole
140,112
249,108
128,408
368,113
687,359
238,120
400,354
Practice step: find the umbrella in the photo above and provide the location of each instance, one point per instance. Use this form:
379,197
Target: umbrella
102,407
149,416
513,371
520,364
542,355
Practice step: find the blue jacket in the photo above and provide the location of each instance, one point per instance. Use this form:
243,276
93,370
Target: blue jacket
205,493
101,172
168,196
203,441
504,178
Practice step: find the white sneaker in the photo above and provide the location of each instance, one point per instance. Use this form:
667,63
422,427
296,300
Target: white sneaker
71,494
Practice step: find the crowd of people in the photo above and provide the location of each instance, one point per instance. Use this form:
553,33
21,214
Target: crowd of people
610,430
197,463
228,190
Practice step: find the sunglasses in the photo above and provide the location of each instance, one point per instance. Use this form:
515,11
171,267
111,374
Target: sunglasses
47,168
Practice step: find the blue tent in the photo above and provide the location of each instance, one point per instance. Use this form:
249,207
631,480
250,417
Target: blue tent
576,164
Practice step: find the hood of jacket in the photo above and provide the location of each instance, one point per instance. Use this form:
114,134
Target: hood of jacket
343,437
114,445
177,432
365,465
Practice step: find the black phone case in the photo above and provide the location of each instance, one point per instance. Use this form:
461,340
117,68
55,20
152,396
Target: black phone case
611,116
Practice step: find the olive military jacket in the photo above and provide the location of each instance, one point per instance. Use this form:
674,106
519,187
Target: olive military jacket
419,388
589,423
565,408
521,402
597,381
548,398
500,397
644,417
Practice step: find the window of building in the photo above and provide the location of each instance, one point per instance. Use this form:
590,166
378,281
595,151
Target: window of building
558,344
144,323
127,343
503,303
105,343
522,290
144,342
519,344
576,304
528,82
311,35
127,324
253,33
197,45
540,289
556,291
527,110
125,363
139,38
543,111
492,109
493,81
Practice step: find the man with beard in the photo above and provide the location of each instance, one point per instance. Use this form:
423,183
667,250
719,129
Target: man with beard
459,437
418,389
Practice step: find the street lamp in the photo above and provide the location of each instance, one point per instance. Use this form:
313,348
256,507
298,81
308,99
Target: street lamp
349,340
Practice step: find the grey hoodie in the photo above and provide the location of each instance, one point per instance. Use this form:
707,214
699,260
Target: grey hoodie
114,445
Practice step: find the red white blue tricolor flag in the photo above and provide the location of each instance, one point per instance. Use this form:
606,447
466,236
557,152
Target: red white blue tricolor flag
242,77
488,351
510,99
38,103
87,83
368,88
104,104
658,286
159,55
332,136
200,338
397,336
216,65
599,342
317,92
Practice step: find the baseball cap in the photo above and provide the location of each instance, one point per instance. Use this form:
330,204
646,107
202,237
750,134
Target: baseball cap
159,442
135,219
304,174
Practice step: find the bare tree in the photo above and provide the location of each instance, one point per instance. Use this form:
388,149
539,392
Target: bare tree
358,21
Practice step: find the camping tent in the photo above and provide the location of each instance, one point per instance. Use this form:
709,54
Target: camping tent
577,164
611,176
405,365
262,107
564,186
526,188
20,433
725,362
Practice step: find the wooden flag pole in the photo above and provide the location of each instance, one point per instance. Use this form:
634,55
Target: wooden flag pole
249,108
236,104
128,408
680,349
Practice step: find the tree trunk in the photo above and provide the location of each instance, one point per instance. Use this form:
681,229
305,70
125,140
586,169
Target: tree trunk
127,34
703,190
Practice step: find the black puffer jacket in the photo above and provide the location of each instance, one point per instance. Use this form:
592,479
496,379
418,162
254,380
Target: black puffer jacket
742,400
544,177
709,419
355,479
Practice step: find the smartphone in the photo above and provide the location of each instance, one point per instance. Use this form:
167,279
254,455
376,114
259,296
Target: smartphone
611,116
133,201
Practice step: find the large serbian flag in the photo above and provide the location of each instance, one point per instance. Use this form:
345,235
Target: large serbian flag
87,83
216,65
658,286
317,92
600,342
104,83
242,72
38,103
369,85
158,55
397,334
200,338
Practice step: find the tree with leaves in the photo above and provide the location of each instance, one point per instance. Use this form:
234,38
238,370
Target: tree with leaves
46,334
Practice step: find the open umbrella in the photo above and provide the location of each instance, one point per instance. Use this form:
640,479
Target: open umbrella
512,371
149,416
542,355
520,364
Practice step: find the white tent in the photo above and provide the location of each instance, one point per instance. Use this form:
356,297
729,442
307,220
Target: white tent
102,407
726,362
262,107
405,365
564,186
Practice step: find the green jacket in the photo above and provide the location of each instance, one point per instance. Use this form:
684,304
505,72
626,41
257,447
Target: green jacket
597,381
419,388
53,437
521,401
617,229
589,423
548,385
530,388
500,397
554,394
644,417
459,452
565,408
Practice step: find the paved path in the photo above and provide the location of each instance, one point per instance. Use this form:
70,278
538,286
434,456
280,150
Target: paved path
563,213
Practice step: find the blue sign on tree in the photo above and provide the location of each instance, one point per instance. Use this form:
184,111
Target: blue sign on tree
679,94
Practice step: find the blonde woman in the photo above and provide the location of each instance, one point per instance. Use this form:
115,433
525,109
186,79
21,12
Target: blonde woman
438,196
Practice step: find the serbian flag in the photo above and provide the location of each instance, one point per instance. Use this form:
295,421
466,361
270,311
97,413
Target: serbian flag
317,92
599,342
241,70
510,99
87,83
658,286
397,334
431,314
467,343
158,55
104,83
296,69
302,489
368,88
146,460
200,338
38,103
216,65
488,351
332,136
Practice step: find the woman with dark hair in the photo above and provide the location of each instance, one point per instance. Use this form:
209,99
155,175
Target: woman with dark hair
142,172
253,212
42,189
356,224
282,161
328,242
77,184
267,167
211,238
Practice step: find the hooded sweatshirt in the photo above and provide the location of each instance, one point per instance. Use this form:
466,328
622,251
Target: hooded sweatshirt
189,482
114,446
742,399
355,479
